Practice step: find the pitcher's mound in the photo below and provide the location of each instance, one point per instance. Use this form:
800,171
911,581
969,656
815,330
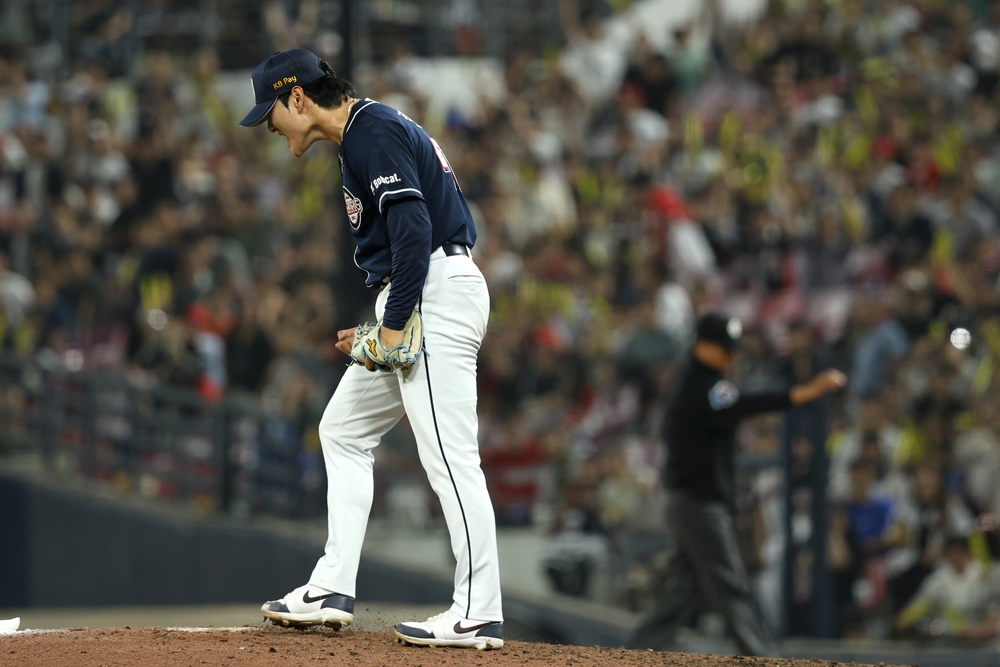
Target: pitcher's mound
253,646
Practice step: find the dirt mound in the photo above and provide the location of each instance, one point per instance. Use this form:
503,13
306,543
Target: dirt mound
252,646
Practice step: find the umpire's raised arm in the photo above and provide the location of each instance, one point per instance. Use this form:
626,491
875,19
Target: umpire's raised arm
722,405
714,401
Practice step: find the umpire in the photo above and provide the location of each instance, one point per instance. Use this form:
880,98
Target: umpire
703,410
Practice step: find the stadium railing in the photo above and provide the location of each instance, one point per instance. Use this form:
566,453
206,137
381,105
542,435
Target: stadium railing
160,442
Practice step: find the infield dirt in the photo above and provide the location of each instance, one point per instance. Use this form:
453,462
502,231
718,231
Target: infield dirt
256,646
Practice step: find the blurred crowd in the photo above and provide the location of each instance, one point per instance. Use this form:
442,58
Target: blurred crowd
829,172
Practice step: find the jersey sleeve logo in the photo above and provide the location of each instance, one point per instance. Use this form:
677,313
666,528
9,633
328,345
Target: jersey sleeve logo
722,395
385,180
354,208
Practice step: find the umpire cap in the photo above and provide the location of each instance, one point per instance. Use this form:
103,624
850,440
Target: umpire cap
719,329
275,76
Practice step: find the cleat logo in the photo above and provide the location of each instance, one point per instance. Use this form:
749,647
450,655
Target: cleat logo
461,630
308,599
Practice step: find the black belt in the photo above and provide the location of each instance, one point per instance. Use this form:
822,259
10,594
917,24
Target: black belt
452,249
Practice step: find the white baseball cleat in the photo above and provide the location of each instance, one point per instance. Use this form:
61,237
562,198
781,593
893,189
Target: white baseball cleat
10,626
307,606
450,629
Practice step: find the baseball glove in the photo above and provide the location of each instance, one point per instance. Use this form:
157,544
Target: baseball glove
367,345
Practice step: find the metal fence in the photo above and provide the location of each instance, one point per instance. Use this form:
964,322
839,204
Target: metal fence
59,35
162,443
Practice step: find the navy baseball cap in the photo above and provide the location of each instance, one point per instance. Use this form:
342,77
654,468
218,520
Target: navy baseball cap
719,329
275,76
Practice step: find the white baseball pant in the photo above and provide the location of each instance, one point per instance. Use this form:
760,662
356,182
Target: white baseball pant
439,397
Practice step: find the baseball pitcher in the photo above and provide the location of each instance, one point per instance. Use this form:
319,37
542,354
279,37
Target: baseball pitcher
414,233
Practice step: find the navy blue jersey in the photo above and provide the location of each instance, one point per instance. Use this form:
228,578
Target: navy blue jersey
385,157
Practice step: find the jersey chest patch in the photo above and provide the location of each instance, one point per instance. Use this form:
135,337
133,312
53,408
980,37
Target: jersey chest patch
722,395
354,208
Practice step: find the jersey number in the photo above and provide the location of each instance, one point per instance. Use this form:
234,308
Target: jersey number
443,159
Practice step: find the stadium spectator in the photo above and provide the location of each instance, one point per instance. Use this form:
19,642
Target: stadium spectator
957,601
845,557
927,517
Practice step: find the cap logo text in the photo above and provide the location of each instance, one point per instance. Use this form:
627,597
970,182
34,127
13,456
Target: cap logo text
281,82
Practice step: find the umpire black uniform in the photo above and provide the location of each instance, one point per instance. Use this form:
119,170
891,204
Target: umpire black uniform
703,410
